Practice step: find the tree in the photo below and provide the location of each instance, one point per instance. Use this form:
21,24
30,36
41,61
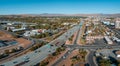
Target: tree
104,62
119,64
44,63
3,55
13,50
7,52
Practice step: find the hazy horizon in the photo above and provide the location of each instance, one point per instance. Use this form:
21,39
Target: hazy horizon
58,13
9,7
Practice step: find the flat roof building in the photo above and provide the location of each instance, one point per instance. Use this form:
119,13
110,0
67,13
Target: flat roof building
117,23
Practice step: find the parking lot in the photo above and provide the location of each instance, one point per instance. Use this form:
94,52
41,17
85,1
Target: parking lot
4,43
103,42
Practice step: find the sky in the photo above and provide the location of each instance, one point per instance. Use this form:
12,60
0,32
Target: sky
59,6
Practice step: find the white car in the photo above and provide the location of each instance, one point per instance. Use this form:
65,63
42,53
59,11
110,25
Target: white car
63,57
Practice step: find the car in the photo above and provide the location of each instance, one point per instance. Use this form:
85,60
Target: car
57,43
109,47
68,48
51,45
26,57
35,51
66,36
39,51
87,64
63,57
27,60
20,64
69,52
15,62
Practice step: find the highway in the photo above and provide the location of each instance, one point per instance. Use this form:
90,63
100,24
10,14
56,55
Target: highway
35,58
10,57
57,43
32,56
71,47
78,33
15,54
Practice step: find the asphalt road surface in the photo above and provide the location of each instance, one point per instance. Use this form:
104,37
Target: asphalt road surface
90,58
72,46
34,58
94,46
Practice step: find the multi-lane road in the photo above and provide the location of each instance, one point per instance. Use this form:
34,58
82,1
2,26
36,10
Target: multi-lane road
78,33
91,49
71,47
33,41
33,58
94,46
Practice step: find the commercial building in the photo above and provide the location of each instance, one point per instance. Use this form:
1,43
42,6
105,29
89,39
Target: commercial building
35,32
108,40
117,54
106,22
117,24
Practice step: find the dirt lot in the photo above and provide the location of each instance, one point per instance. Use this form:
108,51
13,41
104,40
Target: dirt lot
4,36
67,61
21,41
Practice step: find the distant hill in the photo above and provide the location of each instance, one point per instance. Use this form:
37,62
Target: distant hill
114,15
47,14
